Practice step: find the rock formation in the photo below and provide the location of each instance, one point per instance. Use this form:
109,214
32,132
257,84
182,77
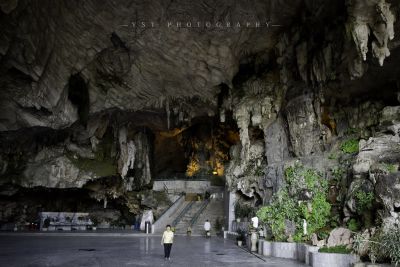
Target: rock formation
98,99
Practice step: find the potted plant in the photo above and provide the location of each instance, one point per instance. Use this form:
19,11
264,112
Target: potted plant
95,223
46,224
242,211
238,211
241,238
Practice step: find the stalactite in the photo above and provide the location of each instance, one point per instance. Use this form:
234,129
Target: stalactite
367,18
127,153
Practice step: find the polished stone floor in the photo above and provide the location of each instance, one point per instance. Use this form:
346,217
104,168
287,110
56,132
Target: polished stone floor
18,250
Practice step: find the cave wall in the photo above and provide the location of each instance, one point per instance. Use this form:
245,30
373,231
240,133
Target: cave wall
324,93
90,102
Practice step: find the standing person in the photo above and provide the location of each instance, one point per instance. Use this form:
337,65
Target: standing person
207,228
167,240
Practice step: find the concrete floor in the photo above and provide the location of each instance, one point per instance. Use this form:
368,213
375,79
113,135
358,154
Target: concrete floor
19,250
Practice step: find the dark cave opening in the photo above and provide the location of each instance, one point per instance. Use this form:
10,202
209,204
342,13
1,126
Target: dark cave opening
223,94
255,133
18,75
31,201
204,146
78,94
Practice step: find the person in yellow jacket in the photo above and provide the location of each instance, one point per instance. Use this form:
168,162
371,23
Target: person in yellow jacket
167,240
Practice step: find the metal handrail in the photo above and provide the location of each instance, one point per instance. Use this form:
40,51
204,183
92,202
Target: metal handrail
183,212
197,215
165,188
182,195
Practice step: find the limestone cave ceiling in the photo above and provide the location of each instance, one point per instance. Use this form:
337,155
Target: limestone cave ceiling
44,45
131,68
134,89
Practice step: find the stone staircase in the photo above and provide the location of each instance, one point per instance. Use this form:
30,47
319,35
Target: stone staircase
214,210
183,222
194,213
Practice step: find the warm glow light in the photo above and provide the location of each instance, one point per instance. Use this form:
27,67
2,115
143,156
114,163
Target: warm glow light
220,168
193,167
215,172
172,133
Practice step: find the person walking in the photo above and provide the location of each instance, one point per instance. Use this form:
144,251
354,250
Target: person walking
167,240
207,228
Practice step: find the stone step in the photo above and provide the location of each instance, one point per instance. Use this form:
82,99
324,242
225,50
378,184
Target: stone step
214,210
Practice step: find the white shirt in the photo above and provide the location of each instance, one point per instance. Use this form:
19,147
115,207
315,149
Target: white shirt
168,237
207,226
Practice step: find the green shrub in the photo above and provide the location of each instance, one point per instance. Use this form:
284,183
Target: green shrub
337,249
334,220
243,210
391,245
353,225
390,168
349,146
286,204
332,156
323,234
337,173
382,246
282,208
364,200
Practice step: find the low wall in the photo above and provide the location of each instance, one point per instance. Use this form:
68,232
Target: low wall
332,259
284,250
188,186
305,253
230,235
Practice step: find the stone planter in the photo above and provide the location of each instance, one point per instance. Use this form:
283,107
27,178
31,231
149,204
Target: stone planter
253,240
308,253
267,248
369,264
284,250
321,259
297,251
260,247
301,252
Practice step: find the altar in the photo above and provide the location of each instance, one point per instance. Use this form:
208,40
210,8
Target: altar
67,221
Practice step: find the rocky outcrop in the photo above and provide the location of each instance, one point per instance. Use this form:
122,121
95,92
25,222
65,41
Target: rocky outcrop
339,237
51,168
105,97
303,126
376,168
